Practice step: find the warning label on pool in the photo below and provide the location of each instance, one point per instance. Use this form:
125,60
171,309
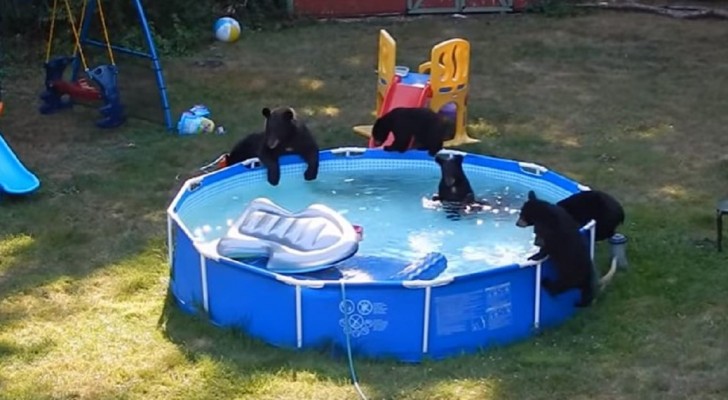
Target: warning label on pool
484,309
362,317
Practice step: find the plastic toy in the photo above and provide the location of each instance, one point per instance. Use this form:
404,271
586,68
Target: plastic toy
312,239
441,84
15,178
195,121
227,29
104,76
101,82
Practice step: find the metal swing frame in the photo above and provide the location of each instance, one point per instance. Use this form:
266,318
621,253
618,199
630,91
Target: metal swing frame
82,39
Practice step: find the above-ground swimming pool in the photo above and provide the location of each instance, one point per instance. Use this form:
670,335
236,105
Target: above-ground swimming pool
420,284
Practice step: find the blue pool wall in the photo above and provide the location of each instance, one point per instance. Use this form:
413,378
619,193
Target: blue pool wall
408,321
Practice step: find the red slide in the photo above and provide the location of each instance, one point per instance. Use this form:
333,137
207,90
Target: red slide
401,95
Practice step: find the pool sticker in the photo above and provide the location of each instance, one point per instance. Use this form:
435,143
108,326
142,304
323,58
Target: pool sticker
478,310
360,318
498,311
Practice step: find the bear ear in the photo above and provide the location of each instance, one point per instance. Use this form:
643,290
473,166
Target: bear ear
288,115
266,112
531,195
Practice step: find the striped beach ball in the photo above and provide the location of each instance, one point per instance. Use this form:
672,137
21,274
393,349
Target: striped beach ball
227,29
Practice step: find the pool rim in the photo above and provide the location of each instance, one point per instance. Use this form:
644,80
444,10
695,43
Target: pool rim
201,296
252,164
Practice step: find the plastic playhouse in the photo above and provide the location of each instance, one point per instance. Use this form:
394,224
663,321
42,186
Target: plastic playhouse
440,84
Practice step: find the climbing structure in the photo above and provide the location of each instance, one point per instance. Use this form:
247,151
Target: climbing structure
60,94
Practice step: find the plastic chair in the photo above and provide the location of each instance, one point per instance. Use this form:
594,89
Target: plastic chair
385,67
449,69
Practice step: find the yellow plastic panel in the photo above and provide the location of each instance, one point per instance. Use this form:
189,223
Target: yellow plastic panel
449,68
385,68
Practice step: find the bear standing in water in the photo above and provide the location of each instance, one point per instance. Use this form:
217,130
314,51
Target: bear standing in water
454,191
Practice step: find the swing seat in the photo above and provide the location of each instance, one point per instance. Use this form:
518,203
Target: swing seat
79,90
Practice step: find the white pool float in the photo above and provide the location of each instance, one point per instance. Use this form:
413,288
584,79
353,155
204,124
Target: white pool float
305,241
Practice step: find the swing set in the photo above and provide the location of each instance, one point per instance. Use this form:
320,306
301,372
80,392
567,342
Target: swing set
101,84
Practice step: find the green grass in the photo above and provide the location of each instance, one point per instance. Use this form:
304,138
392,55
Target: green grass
633,104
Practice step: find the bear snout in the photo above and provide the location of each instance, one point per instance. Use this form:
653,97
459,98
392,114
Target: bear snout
522,223
272,143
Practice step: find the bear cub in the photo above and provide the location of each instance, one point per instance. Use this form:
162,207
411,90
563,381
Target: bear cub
454,191
558,236
598,206
245,148
426,127
284,134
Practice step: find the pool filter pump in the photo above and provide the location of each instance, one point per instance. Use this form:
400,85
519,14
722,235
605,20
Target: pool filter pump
618,250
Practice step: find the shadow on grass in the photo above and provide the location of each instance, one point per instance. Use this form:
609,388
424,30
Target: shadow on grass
578,95
25,353
248,360
609,341
575,359
97,205
245,358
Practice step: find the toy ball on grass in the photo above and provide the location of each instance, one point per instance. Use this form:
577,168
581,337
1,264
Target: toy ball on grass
227,29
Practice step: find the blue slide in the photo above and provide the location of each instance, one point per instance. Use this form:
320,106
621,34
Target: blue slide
14,177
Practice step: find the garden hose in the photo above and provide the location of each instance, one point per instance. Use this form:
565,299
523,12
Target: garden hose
354,379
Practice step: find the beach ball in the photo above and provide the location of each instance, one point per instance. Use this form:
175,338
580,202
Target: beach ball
227,29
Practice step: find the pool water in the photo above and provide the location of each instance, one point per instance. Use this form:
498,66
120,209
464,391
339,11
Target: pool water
394,211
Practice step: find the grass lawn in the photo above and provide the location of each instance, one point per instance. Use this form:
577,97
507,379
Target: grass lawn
633,104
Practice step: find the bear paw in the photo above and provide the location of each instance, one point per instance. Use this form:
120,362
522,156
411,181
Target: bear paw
274,180
274,175
583,303
548,285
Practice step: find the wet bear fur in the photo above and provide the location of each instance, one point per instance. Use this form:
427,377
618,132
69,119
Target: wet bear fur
598,206
559,238
245,148
454,191
285,133
426,127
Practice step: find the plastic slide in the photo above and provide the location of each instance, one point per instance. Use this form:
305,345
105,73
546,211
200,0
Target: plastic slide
14,177
402,95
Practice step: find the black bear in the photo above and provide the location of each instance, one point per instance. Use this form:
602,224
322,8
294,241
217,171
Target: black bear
284,134
454,191
426,127
598,206
245,148
558,236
